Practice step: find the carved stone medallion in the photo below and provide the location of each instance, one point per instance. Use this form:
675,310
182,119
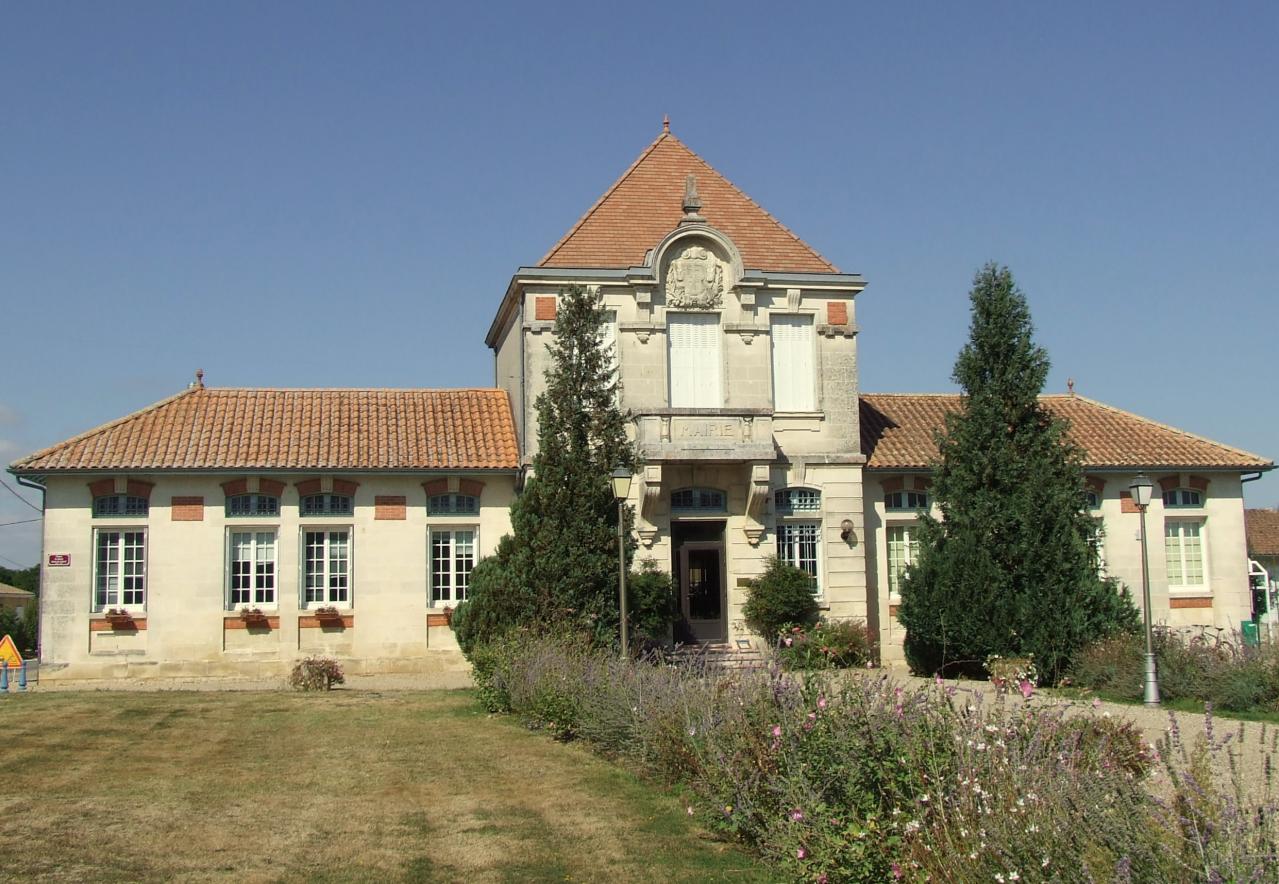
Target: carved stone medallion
695,279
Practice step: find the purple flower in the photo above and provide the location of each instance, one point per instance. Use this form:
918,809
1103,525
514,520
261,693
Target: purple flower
797,814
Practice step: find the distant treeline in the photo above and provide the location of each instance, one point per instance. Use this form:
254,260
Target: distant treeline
27,578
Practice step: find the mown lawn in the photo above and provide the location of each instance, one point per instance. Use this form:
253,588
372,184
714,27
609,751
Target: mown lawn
344,786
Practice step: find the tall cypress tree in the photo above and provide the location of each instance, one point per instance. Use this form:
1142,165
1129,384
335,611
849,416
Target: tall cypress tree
557,570
1010,568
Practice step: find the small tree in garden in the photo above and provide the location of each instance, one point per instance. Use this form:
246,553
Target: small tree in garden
780,598
1009,569
560,568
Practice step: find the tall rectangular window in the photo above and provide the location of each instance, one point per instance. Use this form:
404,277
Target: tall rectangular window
327,567
695,362
798,544
252,568
120,570
794,378
903,550
452,560
1184,553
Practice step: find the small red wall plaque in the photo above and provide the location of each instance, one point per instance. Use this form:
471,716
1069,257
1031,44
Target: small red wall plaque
59,560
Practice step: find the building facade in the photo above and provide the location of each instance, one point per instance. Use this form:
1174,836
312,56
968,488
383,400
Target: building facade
736,351
230,532
347,522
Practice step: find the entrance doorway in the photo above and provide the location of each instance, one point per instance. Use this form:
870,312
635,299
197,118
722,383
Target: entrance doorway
699,566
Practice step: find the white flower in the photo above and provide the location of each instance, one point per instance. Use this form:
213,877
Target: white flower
1013,876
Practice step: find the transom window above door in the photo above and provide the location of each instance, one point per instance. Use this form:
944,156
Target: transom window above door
253,505
326,505
120,505
709,500
452,504
797,500
906,500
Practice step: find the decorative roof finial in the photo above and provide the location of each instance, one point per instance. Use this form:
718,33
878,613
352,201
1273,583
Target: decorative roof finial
1070,386
199,379
666,123
692,202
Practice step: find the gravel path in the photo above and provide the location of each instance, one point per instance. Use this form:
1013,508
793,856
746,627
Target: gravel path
1250,743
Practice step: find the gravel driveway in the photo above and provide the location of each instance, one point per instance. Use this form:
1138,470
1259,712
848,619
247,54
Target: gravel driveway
1250,743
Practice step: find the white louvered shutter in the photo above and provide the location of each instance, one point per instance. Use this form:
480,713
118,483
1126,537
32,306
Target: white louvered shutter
695,360
793,375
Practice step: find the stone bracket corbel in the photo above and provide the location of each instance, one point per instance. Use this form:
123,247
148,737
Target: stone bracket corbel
650,495
756,503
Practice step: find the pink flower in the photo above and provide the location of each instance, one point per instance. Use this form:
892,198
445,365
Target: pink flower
801,853
797,814
777,730
1027,689
822,879
1096,702
897,870
788,641
821,702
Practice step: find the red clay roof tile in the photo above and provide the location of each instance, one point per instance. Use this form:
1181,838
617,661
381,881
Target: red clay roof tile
1262,527
645,204
897,432
208,429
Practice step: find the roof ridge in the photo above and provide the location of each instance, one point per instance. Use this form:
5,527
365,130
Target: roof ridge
767,214
354,390
133,415
604,196
1159,424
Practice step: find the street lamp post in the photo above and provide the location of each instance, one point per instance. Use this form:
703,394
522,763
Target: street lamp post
1142,489
621,490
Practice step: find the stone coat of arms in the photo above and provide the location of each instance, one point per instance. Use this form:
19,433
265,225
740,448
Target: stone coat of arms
695,279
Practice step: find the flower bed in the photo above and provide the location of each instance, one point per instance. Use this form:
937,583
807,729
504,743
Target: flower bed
856,779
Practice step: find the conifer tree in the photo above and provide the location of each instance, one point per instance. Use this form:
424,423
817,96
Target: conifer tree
559,570
1011,567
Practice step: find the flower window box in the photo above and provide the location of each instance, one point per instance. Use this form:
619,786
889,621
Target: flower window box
119,618
328,616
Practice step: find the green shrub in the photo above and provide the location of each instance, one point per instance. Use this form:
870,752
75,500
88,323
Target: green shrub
779,599
1226,674
651,603
837,644
494,604
316,674
492,665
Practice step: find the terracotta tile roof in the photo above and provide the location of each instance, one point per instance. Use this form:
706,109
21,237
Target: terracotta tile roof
897,432
205,428
645,204
1263,532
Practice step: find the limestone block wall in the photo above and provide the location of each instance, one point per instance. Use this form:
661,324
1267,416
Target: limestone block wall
843,567
1223,600
746,370
187,625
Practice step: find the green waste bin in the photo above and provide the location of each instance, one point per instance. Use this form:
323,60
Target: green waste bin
1251,636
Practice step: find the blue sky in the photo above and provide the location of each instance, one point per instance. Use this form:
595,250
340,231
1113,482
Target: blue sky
305,194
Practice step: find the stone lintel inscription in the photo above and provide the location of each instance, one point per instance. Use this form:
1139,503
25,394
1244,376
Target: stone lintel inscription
706,428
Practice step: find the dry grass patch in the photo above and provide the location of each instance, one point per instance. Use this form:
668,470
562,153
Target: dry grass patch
343,786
